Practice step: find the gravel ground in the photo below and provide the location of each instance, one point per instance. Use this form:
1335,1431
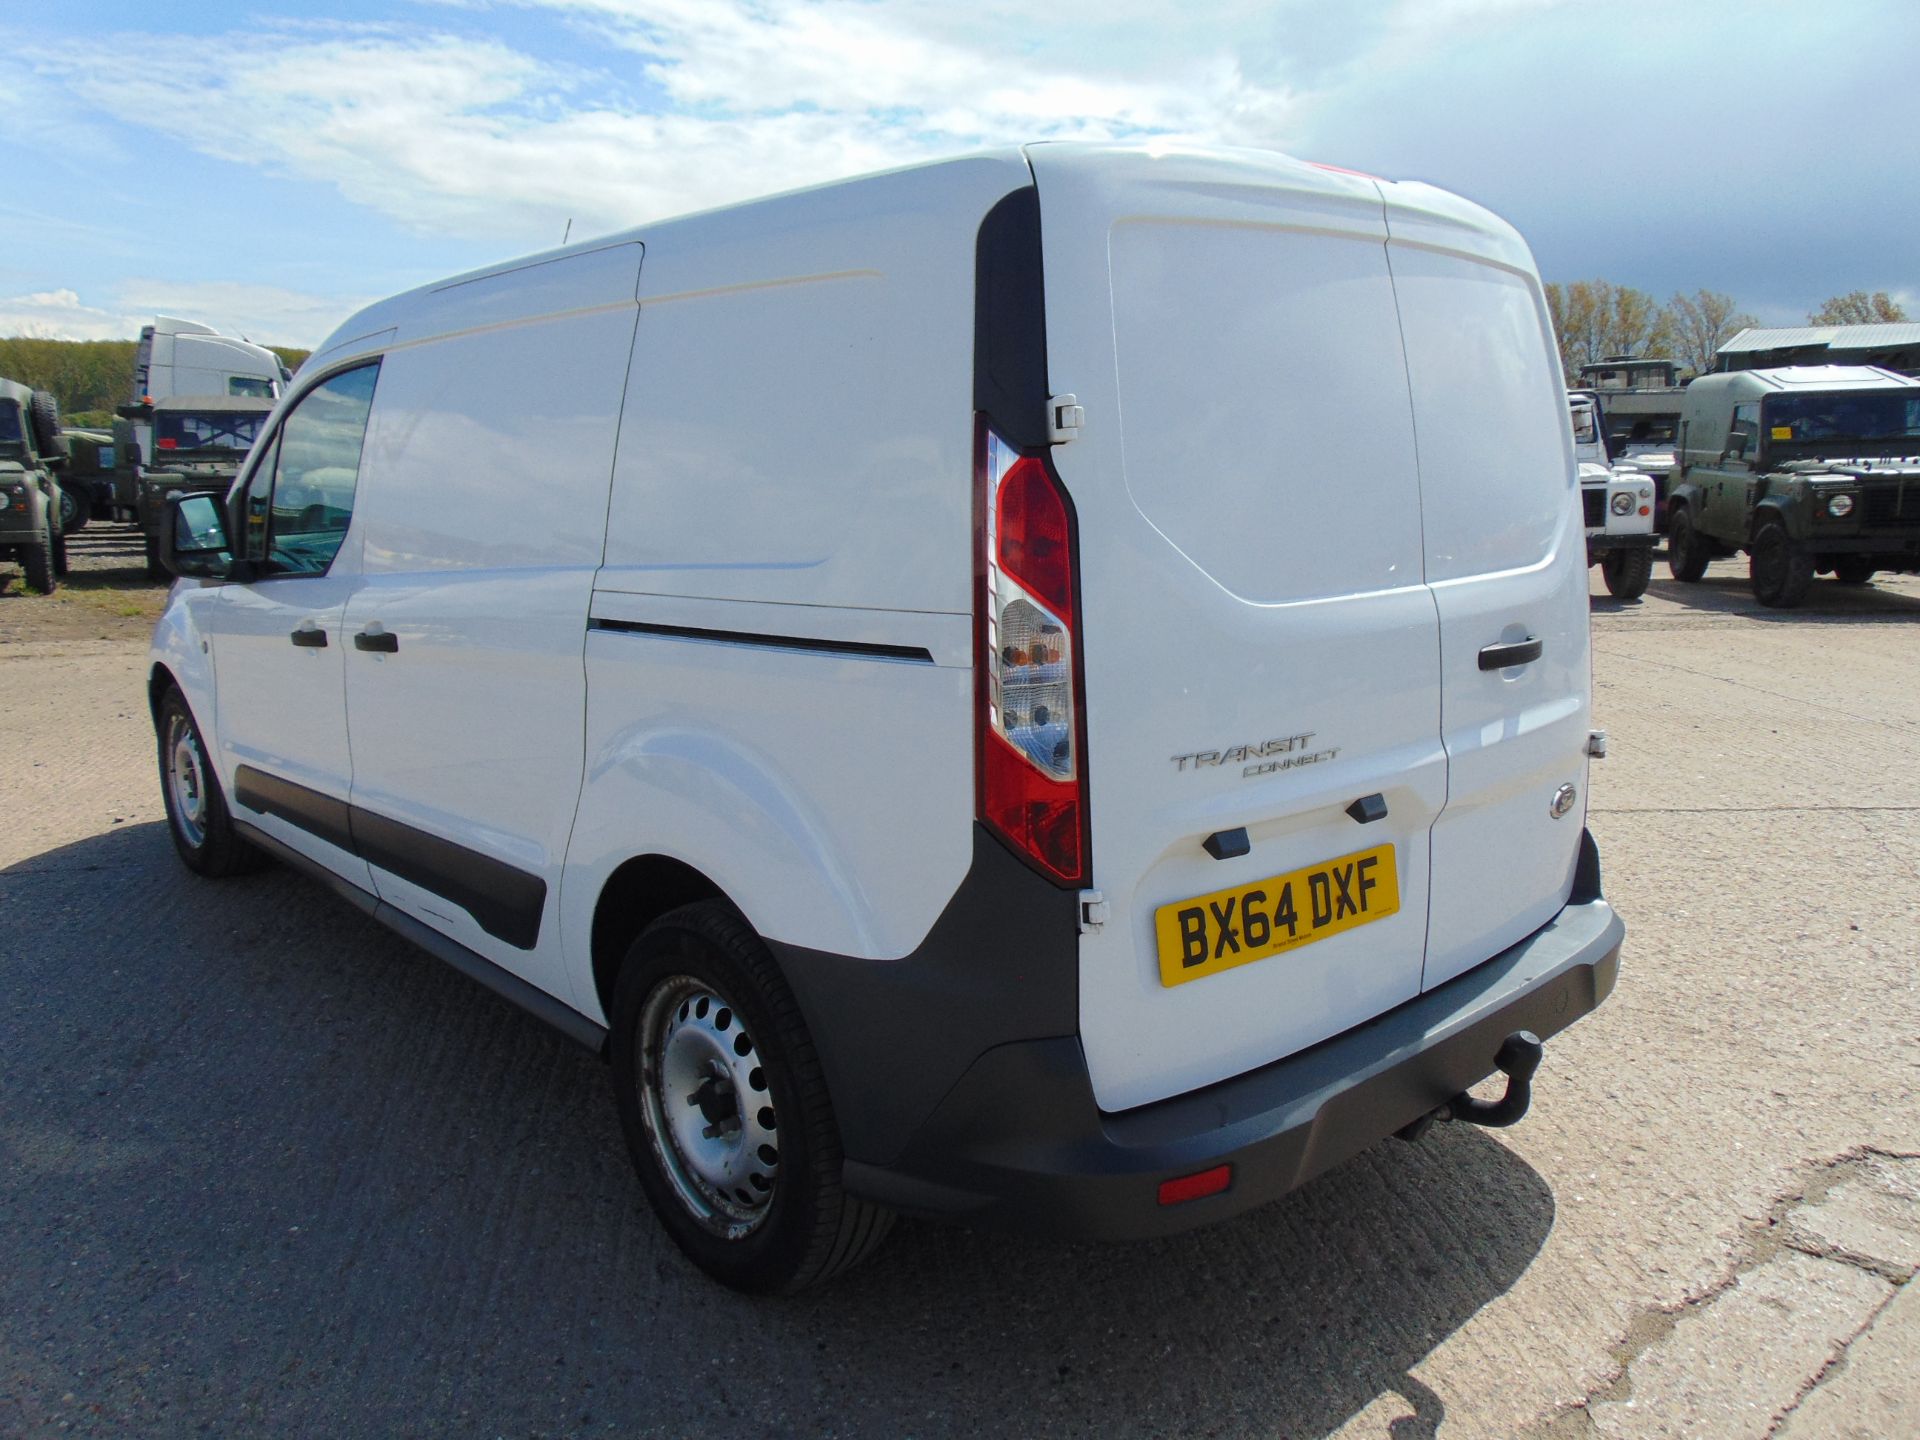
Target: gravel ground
266,1170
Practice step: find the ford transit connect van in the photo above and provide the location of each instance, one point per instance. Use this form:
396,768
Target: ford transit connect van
1048,688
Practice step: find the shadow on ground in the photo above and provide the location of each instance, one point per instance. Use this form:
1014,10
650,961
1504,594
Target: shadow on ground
269,1170
1726,591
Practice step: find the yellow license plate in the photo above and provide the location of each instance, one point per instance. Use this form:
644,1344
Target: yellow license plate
1216,932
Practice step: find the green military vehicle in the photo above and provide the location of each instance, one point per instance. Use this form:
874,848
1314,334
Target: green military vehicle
86,485
1810,470
199,445
32,448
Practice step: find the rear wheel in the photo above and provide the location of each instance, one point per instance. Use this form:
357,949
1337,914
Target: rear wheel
60,566
1686,547
155,570
1780,571
1627,573
197,815
1853,570
725,1109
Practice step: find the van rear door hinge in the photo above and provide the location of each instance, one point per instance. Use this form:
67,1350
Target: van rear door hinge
1065,416
1093,911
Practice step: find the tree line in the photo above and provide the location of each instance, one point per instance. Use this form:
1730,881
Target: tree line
88,377
1596,318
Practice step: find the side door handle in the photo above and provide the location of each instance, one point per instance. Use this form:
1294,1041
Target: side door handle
381,642
309,637
1499,657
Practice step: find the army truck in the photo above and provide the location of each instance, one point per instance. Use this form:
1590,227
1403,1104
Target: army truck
1809,469
1617,501
199,444
32,448
1639,400
86,485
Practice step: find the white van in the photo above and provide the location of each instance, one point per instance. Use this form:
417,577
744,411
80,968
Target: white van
1048,688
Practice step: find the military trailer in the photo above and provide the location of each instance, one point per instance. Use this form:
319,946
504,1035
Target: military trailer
32,448
1810,470
86,485
199,444
1617,504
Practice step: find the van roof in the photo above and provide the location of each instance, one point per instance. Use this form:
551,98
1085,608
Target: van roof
1414,210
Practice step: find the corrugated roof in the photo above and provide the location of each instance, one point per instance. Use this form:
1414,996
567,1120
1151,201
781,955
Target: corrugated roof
1844,337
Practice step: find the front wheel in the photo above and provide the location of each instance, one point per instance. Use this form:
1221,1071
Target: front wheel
197,816
1687,551
36,564
725,1109
75,509
1853,570
1780,571
1627,573
155,570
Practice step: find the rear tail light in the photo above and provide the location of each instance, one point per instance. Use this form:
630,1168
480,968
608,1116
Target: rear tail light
1197,1186
1031,776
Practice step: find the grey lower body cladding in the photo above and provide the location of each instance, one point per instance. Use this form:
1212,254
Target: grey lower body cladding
1011,1134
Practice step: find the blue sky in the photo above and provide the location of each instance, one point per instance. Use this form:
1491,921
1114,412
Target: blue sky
265,171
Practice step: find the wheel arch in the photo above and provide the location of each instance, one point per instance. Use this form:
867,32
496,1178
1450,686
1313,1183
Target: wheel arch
638,892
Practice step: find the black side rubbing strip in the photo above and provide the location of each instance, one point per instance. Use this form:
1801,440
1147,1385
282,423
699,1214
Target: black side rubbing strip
507,903
1010,322
917,653
307,809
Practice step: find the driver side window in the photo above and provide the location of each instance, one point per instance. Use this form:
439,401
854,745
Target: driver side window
301,498
1743,432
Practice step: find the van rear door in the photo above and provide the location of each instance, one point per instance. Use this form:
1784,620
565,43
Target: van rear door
1261,651
1505,555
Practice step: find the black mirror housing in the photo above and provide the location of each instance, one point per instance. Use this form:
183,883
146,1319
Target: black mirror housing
193,538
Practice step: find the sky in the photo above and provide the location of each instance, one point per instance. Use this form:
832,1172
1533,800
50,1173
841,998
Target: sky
268,172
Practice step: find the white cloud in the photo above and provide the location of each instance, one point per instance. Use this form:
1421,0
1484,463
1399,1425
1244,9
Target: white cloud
61,315
268,314
451,133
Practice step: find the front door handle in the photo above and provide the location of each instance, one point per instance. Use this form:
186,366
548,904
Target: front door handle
1499,657
309,637
382,642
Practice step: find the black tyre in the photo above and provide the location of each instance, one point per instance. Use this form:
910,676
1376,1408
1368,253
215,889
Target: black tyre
36,565
60,566
726,1111
1627,572
155,570
1687,549
1781,572
197,815
48,438
76,508
1853,570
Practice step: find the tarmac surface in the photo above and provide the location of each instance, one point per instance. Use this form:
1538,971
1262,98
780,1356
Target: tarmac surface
266,1170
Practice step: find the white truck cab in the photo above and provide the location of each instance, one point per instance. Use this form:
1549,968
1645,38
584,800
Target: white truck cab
987,691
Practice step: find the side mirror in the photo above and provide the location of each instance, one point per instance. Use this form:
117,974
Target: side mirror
193,538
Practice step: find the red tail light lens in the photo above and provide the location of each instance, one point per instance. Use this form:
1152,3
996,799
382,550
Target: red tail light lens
1030,776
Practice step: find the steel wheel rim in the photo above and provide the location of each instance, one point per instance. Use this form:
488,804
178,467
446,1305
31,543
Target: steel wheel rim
187,782
707,1107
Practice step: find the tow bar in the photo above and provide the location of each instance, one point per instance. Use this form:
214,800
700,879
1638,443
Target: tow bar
1518,1057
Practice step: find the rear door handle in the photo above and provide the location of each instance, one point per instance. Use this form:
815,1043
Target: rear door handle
382,642
1514,652
309,637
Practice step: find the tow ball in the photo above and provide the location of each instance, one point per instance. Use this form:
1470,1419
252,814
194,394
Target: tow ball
1518,1057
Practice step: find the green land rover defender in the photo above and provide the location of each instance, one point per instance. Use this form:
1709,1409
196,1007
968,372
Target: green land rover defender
1809,469
32,448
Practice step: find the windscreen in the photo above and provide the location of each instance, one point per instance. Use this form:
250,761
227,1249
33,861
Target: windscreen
1836,421
193,430
10,430
1635,432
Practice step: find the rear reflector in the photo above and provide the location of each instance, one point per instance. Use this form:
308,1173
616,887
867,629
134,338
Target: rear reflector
1195,1187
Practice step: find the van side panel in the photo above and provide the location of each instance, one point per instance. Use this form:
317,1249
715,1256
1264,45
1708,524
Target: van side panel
780,684
483,505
